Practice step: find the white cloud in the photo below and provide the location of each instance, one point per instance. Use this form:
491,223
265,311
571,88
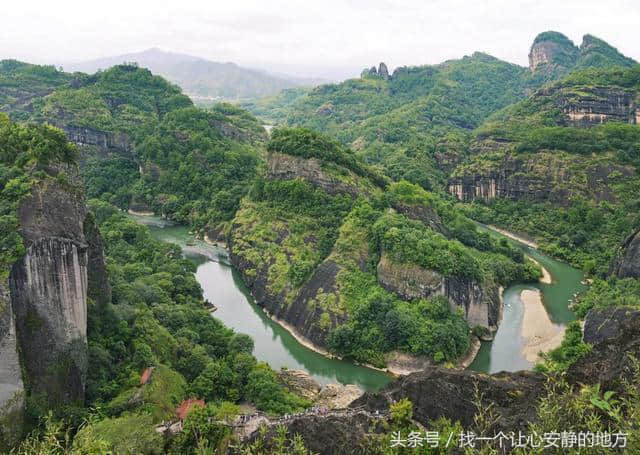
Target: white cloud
307,34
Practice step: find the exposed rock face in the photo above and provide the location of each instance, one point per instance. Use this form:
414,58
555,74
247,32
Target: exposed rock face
305,319
48,294
409,281
615,335
330,396
605,325
299,382
11,385
513,178
107,143
480,302
337,396
98,287
627,262
552,48
369,72
425,214
288,167
48,286
383,72
593,105
540,177
333,434
238,134
438,392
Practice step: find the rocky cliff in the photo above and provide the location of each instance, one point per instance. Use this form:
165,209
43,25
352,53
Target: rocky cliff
103,142
554,54
11,385
480,302
585,105
287,167
48,294
627,262
382,72
539,177
552,49
47,298
302,317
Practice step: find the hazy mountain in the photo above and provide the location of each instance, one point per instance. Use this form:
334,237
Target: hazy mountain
199,78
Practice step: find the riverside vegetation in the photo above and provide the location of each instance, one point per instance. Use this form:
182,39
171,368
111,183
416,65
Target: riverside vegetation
359,235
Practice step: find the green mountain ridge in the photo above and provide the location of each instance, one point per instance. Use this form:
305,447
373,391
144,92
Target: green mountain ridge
404,122
203,80
359,235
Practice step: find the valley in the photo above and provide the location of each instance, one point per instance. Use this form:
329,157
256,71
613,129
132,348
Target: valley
234,304
359,254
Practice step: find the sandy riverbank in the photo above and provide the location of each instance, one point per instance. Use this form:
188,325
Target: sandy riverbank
539,333
513,236
398,363
142,213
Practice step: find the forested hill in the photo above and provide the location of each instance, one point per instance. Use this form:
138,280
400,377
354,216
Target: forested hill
143,143
415,122
203,80
363,266
564,165
22,83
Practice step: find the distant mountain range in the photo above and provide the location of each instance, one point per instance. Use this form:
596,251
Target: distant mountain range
203,80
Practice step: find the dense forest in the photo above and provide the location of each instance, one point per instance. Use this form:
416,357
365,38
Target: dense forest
354,221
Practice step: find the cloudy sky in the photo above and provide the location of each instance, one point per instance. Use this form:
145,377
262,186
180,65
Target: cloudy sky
306,37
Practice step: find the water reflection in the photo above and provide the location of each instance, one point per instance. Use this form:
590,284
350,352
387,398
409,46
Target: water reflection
223,286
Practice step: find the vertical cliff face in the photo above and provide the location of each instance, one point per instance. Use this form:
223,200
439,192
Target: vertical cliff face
552,49
11,386
48,293
544,176
107,143
480,302
627,262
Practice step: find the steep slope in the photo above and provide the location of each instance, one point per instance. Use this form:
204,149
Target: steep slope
360,270
201,79
562,166
415,123
144,146
44,269
21,84
553,56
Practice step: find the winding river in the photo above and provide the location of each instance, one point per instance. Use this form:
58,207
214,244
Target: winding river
223,287
504,353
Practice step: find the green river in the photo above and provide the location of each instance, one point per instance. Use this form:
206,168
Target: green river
504,352
223,287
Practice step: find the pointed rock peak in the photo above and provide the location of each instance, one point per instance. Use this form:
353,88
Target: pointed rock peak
552,48
383,72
